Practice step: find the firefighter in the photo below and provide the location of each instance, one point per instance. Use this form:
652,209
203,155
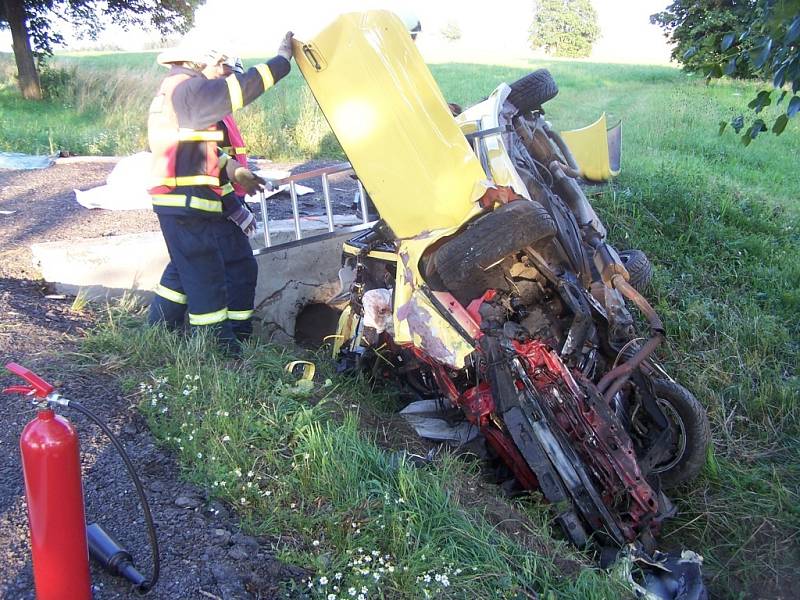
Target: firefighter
192,195
241,267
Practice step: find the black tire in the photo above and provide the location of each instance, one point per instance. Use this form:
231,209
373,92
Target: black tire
639,268
465,263
689,417
533,90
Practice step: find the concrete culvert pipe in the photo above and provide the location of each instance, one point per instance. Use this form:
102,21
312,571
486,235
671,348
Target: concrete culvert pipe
314,323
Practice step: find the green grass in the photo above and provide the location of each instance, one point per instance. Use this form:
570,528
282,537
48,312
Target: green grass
299,468
720,222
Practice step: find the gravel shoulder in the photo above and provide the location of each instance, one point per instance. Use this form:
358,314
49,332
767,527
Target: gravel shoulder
204,554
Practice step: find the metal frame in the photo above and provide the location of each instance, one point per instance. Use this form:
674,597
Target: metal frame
292,180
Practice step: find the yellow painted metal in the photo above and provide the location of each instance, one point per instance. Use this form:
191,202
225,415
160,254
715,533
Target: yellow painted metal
392,122
377,254
345,330
589,146
416,319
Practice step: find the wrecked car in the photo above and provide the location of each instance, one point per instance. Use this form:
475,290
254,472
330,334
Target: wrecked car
489,281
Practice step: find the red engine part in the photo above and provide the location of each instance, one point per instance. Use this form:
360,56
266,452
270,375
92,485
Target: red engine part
597,435
53,489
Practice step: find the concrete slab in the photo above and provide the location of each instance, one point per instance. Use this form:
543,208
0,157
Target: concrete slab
288,280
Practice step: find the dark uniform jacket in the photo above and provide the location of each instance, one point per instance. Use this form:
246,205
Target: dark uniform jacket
188,173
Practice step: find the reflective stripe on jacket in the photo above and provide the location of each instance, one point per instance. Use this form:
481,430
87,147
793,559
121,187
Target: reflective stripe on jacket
185,140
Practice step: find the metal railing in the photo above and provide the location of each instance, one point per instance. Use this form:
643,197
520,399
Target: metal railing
324,173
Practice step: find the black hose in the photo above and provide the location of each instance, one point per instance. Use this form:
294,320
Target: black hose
148,584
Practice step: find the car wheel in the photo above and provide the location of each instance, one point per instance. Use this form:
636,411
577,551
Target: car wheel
467,263
638,267
689,421
533,90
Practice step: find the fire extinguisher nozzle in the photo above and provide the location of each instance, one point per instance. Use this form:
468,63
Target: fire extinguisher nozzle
111,556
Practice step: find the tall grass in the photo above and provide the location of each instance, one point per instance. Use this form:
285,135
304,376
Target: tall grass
97,105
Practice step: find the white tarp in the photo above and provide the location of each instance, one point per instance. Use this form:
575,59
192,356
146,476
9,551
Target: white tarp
125,187
18,161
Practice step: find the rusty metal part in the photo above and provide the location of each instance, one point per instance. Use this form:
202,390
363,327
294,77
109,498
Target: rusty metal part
612,381
608,264
566,169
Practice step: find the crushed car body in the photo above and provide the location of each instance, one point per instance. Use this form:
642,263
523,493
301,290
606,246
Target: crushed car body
489,281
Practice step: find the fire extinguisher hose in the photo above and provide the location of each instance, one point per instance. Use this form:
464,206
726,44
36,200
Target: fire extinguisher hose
148,584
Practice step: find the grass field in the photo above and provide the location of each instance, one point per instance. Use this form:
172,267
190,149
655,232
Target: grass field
721,223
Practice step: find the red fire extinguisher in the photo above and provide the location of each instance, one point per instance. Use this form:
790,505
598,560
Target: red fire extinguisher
52,470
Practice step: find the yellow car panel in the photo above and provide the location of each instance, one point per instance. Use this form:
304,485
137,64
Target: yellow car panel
598,160
416,319
392,122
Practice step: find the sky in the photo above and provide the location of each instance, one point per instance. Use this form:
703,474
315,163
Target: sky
491,31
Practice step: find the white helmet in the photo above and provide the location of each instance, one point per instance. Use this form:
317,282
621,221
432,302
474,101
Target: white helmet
187,52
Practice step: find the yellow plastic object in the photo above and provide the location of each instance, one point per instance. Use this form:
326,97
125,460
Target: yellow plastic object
392,121
307,369
596,149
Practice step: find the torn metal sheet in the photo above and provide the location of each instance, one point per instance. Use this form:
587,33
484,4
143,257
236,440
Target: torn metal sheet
427,417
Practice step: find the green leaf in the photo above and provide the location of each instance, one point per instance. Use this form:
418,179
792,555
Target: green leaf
780,124
760,101
727,41
794,106
782,96
730,68
690,52
722,126
746,139
793,32
737,123
763,55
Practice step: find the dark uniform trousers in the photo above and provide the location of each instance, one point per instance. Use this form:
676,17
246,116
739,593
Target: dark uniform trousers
212,273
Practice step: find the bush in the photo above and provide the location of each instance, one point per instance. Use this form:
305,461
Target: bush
58,83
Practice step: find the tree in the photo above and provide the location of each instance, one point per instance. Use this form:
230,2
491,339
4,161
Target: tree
451,31
764,42
33,34
564,27
690,24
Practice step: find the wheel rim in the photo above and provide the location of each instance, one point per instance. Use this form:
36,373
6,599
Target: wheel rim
675,420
